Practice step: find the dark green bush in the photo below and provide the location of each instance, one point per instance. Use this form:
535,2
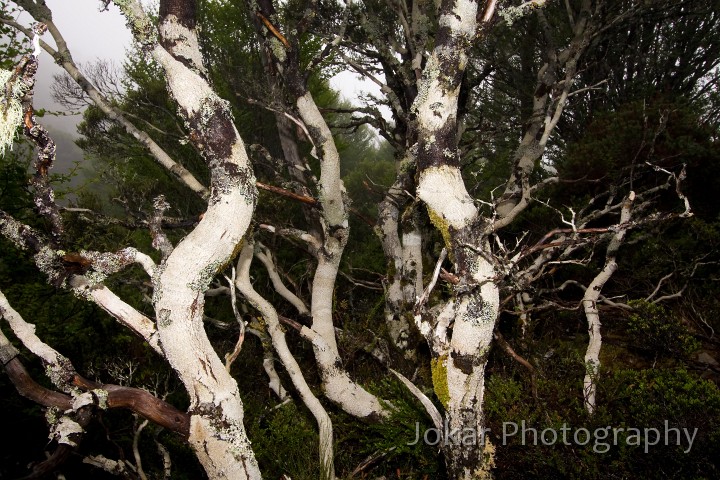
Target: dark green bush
653,329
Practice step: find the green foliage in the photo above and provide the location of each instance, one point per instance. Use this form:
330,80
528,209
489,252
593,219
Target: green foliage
11,43
285,442
654,329
601,147
119,165
390,442
370,170
15,198
617,143
646,399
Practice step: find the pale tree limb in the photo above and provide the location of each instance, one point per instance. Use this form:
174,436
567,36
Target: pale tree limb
422,300
136,451
589,301
298,234
474,308
165,455
58,367
333,216
265,256
70,413
275,383
217,435
430,407
549,101
66,415
51,263
230,357
114,467
64,376
336,382
403,253
259,330
244,285
679,292
24,384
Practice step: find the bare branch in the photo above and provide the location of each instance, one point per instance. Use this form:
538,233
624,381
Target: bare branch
230,357
420,303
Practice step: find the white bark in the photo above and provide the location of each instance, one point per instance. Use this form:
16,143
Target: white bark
331,185
403,284
291,366
321,305
328,244
58,367
217,433
472,336
555,78
337,384
461,359
590,299
265,256
274,379
117,308
443,191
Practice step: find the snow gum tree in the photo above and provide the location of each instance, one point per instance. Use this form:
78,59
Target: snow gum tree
478,99
216,430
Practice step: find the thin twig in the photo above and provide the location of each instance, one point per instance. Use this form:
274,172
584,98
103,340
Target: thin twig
230,357
436,273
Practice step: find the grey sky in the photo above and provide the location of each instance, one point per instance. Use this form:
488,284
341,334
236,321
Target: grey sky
92,34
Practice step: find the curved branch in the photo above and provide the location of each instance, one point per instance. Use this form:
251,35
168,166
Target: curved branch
265,256
277,335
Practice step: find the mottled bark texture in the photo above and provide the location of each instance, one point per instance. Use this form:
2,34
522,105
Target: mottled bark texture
400,234
217,433
459,358
330,239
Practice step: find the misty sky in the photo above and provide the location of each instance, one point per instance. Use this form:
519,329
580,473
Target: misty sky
92,34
